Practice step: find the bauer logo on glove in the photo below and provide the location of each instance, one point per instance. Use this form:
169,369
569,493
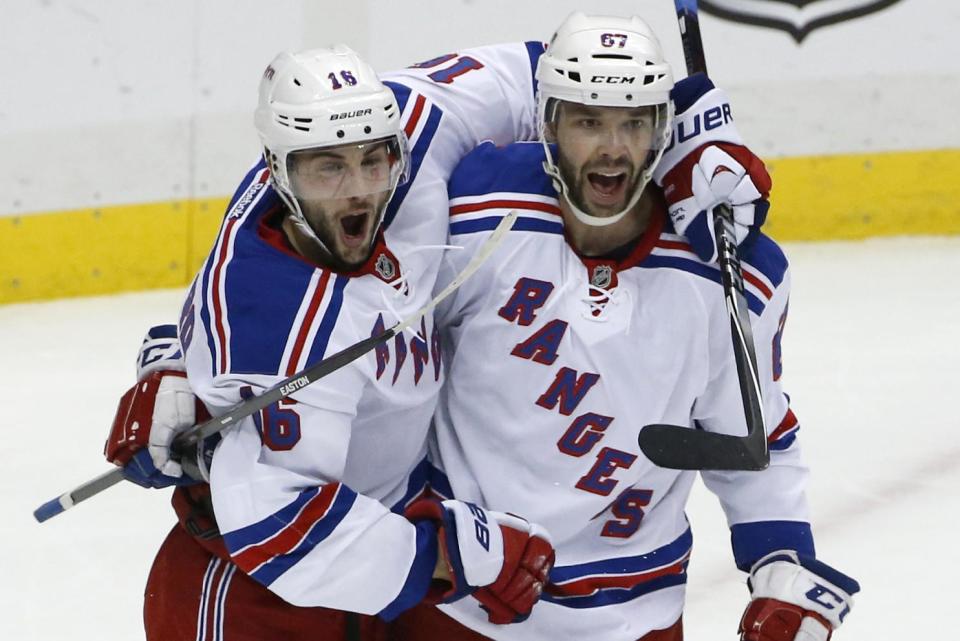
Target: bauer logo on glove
499,558
707,165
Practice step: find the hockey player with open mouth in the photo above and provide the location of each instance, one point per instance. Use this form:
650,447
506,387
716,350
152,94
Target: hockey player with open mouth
598,318
600,313
322,527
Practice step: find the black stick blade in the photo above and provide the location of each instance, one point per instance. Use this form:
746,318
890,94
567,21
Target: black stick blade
682,448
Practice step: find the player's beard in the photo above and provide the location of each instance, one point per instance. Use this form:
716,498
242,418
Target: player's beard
578,181
346,227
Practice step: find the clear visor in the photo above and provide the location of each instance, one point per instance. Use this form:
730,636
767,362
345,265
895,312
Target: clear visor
346,171
613,149
644,127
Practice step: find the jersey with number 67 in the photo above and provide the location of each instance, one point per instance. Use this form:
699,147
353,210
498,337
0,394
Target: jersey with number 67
309,492
554,363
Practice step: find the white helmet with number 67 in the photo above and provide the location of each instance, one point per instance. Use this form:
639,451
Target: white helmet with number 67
604,61
326,98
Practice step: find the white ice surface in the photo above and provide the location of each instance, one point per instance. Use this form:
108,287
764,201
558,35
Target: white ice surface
872,363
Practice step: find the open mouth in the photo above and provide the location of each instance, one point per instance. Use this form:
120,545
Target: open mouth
353,225
354,228
608,186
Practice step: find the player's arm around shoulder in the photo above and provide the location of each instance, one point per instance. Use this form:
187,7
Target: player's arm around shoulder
487,90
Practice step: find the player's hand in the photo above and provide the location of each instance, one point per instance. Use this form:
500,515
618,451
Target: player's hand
501,559
153,412
707,165
795,599
713,174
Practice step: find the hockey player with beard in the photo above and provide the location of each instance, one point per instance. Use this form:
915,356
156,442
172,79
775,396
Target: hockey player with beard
618,580
599,317
318,498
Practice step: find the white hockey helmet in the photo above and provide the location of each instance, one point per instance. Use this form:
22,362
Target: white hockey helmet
605,61
321,98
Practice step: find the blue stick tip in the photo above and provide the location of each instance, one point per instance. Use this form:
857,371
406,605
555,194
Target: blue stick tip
48,510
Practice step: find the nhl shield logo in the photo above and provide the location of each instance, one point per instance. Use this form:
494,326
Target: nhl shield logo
602,276
385,267
797,17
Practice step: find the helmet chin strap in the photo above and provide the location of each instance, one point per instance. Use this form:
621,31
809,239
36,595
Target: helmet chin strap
552,170
300,221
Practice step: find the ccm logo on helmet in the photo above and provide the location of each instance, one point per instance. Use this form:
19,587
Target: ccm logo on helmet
351,114
614,80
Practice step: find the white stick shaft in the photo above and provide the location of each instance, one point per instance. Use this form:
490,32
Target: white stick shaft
488,247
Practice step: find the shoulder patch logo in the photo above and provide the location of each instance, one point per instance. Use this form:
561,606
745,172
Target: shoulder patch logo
797,17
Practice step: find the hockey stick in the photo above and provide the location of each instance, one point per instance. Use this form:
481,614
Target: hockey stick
185,445
682,448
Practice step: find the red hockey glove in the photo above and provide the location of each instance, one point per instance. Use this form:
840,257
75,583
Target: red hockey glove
501,559
707,165
795,599
153,412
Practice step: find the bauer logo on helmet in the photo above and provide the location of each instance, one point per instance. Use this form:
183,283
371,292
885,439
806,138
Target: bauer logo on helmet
351,114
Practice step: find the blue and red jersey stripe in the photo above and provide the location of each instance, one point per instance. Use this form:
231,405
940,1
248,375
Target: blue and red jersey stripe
621,579
270,547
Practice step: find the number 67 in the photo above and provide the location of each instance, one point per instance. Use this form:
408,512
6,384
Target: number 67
613,39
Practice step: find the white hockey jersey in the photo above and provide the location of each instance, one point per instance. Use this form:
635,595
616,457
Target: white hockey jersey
554,363
306,493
